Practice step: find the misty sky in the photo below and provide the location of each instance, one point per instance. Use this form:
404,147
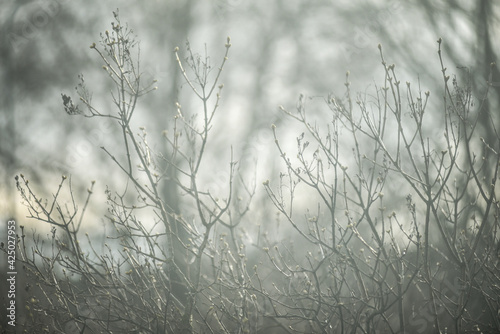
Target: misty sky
279,50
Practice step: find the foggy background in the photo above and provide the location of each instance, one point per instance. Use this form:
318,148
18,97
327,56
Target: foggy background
280,49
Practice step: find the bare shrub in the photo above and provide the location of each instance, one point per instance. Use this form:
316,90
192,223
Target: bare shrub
405,233
402,235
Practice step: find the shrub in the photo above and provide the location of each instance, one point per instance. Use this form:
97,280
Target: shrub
402,234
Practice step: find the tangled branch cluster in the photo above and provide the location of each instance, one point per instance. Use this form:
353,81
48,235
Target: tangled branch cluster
403,238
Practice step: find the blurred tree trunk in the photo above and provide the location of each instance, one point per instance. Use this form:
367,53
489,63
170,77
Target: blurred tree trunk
8,142
181,24
487,74
177,25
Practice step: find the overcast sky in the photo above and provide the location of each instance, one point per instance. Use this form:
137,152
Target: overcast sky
279,50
